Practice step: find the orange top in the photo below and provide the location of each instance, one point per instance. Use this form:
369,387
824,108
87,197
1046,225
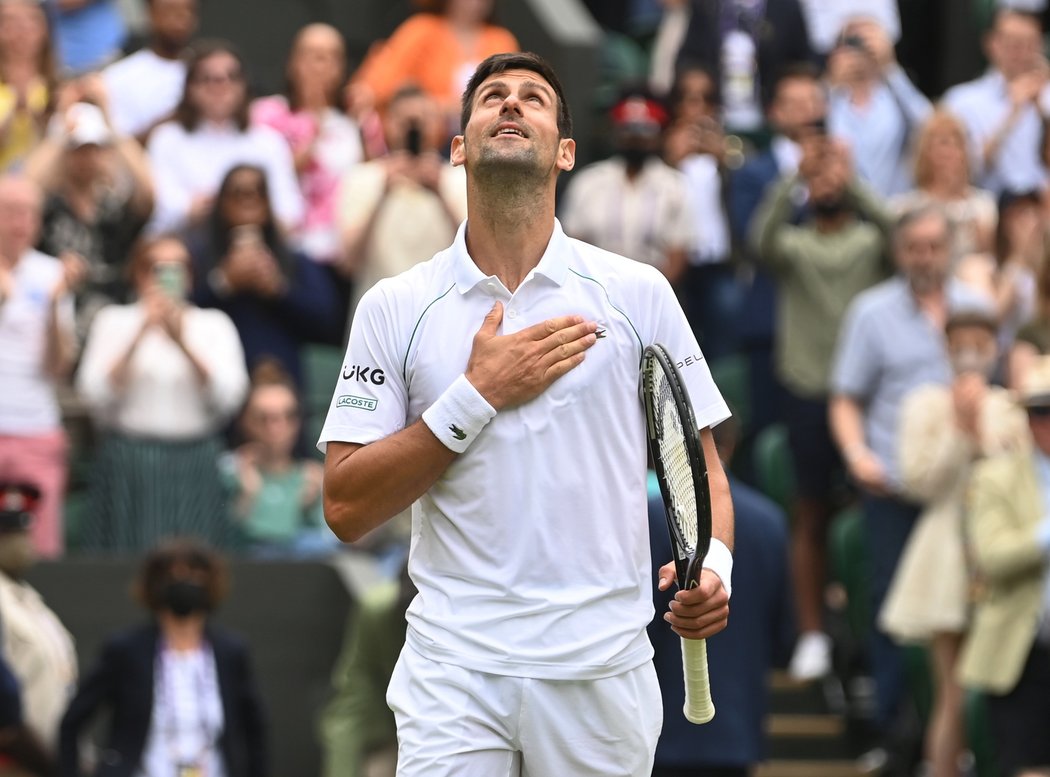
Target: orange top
425,51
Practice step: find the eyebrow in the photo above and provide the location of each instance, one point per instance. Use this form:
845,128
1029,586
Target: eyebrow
527,84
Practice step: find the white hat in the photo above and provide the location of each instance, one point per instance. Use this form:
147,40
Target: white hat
87,126
1035,385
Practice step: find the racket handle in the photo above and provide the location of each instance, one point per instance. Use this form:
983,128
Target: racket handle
698,705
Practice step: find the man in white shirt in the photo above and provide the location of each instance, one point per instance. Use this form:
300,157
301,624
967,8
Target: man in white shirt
495,389
1003,109
145,87
36,351
634,204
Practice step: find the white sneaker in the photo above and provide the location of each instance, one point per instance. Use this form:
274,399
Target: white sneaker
812,657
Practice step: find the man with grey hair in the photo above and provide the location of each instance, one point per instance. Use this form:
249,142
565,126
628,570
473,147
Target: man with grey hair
892,342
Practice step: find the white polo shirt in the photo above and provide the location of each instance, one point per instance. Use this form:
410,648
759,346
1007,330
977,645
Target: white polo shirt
531,552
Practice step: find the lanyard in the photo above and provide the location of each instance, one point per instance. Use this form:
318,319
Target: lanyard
204,683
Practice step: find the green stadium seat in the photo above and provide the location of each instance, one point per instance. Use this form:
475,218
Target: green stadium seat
978,735
773,468
848,564
321,365
730,374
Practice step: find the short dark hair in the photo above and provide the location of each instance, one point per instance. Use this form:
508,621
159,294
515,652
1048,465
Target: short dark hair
501,63
186,113
793,71
971,318
156,571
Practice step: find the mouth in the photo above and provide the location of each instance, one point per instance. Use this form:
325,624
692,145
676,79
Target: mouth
509,129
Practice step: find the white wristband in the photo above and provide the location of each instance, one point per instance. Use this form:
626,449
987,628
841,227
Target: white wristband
458,415
720,561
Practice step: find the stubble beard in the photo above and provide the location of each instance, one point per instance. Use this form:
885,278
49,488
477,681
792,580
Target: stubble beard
512,175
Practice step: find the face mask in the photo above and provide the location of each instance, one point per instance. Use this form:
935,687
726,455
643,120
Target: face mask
636,156
184,598
828,208
16,553
973,360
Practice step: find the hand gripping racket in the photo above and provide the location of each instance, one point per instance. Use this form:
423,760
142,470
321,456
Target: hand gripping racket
678,457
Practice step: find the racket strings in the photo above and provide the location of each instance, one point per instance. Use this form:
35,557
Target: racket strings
678,471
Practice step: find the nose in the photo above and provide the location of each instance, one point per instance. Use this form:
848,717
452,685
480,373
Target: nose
511,104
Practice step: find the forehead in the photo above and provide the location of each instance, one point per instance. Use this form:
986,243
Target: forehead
926,228
1016,24
516,78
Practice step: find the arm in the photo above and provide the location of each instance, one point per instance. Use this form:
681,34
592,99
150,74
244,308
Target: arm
931,450
309,305
847,429
771,231
254,719
95,690
914,104
60,343
871,206
43,163
134,159
394,61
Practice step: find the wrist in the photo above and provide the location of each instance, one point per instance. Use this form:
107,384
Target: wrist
855,452
459,415
719,559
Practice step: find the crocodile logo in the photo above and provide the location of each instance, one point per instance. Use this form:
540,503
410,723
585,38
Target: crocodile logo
458,433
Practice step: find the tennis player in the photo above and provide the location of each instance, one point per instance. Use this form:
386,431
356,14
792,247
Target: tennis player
495,389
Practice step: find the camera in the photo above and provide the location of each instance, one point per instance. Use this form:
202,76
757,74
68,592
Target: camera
414,139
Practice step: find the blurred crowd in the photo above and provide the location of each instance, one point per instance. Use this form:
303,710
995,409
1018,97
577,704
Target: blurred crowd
865,265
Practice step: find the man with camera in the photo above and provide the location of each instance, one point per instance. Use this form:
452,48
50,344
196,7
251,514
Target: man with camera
405,206
873,105
825,237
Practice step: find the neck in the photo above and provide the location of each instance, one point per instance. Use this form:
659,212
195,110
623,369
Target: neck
165,49
9,255
949,187
18,70
181,634
509,227
275,461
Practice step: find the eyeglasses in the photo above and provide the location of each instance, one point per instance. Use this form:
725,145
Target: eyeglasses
244,192
288,416
218,77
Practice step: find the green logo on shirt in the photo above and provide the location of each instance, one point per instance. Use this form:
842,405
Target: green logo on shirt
360,403
458,433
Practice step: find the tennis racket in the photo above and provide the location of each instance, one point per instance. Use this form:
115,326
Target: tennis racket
678,458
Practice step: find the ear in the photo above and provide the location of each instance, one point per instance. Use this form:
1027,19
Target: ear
458,153
566,154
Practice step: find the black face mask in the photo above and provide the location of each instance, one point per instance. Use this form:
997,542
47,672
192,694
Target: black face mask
828,208
184,598
636,156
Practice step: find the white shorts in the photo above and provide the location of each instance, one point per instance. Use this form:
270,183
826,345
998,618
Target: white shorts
456,722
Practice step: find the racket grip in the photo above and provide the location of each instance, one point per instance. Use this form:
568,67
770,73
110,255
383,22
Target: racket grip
699,708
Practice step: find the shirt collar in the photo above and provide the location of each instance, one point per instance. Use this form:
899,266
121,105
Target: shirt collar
553,265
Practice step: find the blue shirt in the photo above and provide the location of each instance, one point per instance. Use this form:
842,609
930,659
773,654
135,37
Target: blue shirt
878,133
89,37
887,347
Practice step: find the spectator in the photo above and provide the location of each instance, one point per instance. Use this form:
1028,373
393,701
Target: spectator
401,209
144,88
358,734
28,79
892,341
36,354
89,34
437,51
797,111
633,204
758,638
873,105
325,142
944,431
745,43
179,690
33,641
1033,339
275,496
161,378
943,178
277,298
1001,109
1007,652
209,135
710,290
98,196
839,249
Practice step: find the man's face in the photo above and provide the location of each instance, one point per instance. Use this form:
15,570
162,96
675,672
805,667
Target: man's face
798,106
1039,423
923,253
19,216
1014,45
514,125
174,21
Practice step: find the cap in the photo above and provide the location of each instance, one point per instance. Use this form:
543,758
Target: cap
18,503
87,126
1035,386
640,112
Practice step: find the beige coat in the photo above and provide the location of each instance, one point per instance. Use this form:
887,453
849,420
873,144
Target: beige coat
41,655
1005,508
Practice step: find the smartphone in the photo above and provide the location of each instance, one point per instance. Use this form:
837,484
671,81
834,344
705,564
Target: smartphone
246,234
171,278
414,139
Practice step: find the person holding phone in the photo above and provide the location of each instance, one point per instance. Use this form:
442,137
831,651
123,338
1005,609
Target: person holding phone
276,297
162,378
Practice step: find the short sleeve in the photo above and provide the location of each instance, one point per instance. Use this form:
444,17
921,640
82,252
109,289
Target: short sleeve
671,329
370,401
855,365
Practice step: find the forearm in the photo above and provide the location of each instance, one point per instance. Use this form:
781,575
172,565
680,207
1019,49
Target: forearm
367,485
42,164
59,347
847,425
771,219
722,521
134,158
